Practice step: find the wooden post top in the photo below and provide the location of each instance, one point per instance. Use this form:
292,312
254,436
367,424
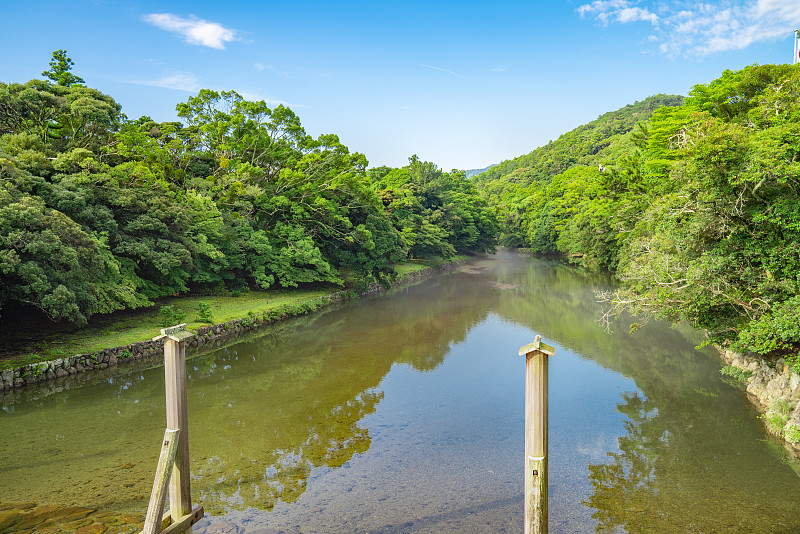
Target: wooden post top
537,345
175,333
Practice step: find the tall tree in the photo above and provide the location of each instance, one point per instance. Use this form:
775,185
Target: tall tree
60,67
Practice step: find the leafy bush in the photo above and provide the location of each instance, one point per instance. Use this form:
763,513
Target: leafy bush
794,363
792,434
774,422
169,315
204,314
777,416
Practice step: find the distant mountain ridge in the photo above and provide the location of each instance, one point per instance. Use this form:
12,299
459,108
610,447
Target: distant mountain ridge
590,144
475,172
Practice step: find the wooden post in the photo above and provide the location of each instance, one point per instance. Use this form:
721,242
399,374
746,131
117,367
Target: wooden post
536,359
180,493
155,511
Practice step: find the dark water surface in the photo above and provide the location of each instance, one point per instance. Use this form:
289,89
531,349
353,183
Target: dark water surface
404,413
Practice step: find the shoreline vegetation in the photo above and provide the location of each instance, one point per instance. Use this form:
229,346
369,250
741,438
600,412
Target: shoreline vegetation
693,203
102,215
109,341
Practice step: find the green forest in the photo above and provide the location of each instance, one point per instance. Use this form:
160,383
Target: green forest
691,202
100,212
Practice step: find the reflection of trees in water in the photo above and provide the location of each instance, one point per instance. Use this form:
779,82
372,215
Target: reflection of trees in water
627,483
684,470
272,409
692,460
281,474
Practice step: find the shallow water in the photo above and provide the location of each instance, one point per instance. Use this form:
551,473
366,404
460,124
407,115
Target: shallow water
404,413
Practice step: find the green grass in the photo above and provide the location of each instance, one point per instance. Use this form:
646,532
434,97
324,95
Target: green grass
33,341
57,341
412,266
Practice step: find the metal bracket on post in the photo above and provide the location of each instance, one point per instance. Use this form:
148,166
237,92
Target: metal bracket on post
536,412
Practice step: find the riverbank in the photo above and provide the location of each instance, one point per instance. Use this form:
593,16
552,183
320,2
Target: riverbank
773,388
129,340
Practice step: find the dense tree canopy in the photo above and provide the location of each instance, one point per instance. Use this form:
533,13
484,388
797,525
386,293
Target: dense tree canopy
99,213
696,210
693,203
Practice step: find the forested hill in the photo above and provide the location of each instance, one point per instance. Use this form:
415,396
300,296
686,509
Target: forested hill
697,211
598,141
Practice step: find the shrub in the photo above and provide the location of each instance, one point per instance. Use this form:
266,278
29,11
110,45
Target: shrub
204,314
170,315
792,434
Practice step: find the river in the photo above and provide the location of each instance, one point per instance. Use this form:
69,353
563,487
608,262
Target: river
404,413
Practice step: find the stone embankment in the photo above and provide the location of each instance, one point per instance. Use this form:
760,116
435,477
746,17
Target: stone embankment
775,391
206,337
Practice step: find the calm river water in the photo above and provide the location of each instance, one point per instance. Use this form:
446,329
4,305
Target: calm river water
404,413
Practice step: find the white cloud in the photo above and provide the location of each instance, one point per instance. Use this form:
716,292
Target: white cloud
194,30
498,68
258,66
684,27
635,14
608,11
178,80
440,69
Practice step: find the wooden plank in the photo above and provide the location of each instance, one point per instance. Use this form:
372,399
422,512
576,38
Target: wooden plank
166,520
152,522
180,496
184,524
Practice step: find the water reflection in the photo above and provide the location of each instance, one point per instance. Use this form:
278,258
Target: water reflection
403,413
301,392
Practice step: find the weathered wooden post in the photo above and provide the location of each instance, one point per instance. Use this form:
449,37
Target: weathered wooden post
181,515
536,356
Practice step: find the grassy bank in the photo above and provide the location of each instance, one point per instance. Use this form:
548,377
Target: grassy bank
24,341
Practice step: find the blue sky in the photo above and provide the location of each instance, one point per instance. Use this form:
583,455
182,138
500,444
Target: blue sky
462,84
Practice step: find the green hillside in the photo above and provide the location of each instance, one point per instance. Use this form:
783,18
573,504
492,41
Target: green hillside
590,144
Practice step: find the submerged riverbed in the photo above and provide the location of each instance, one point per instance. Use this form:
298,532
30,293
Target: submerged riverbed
404,413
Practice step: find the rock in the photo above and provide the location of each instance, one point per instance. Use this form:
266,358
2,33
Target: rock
8,518
32,518
777,387
61,373
94,528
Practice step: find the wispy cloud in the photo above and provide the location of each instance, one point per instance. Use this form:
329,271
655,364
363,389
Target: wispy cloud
194,30
440,69
682,27
608,11
256,97
188,82
498,68
177,80
261,67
